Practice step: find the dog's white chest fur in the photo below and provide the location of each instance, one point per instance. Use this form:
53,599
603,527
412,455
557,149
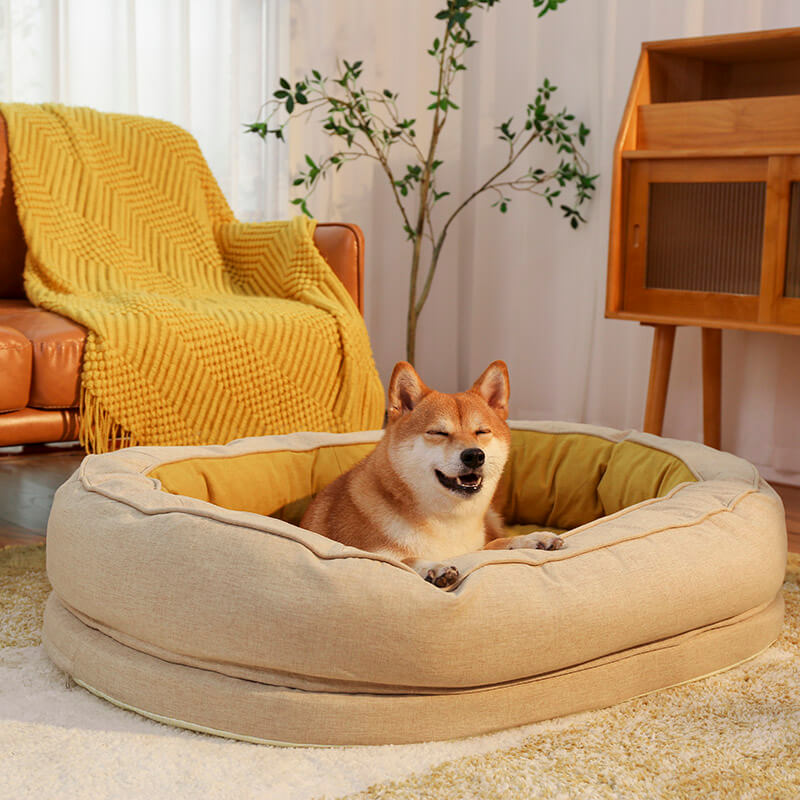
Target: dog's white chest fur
437,539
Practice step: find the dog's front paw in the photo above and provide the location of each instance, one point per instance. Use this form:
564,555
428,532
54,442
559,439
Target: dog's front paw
441,575
538,540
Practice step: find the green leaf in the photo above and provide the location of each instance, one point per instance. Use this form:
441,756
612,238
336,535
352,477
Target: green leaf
556,129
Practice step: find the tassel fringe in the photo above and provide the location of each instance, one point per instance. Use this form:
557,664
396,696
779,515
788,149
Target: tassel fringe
99,432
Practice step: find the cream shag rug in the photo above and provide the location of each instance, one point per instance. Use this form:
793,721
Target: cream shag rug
734,735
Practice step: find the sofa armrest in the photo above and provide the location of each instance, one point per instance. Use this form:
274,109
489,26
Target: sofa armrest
342,246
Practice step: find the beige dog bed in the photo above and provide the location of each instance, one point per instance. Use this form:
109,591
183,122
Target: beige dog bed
177,596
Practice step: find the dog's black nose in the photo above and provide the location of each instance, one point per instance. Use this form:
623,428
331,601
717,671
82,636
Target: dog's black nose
473,457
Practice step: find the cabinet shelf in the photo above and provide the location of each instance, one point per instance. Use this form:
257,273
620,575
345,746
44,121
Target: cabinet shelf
693,152
721,125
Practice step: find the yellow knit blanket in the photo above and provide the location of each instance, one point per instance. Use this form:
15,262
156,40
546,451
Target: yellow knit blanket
202,329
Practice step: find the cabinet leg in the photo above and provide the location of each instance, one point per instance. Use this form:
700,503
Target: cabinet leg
712,386
660,364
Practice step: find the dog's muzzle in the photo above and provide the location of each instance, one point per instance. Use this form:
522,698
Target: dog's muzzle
467,484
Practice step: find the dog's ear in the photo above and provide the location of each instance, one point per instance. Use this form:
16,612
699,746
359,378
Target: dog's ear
406,389
493,387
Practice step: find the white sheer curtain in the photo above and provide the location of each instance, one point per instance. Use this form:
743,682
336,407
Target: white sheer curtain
524,286
206,65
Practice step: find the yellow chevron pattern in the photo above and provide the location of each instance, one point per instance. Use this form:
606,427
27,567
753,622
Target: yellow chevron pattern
202,329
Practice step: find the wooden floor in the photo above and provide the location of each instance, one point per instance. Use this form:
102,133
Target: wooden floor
29,478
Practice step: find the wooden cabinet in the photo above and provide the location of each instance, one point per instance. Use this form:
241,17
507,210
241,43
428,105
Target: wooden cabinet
705,207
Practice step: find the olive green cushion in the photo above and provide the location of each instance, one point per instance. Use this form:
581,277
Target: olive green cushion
553,480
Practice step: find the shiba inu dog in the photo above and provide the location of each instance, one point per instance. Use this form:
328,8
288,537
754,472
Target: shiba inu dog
424,494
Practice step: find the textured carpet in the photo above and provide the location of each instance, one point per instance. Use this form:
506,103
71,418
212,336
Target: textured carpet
734,735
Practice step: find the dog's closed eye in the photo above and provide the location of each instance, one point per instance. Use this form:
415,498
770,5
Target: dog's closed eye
437,433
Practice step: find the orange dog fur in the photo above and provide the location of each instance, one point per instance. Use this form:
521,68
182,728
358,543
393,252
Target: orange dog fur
424,494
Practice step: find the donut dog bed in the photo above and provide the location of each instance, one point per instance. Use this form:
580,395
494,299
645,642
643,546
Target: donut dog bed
183,589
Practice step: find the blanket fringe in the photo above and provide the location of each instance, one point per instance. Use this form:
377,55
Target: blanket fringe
99,432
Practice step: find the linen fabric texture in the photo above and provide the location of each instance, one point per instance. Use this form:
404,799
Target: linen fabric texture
201,328
228,620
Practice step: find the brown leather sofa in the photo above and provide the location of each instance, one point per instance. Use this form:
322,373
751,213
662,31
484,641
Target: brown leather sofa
41,352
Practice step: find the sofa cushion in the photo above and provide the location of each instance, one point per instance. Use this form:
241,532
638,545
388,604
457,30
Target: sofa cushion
57,349
15,367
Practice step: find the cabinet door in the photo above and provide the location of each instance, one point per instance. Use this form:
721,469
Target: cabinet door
694,238
782,293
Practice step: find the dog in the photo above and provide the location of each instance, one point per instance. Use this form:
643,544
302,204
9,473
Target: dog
424,494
